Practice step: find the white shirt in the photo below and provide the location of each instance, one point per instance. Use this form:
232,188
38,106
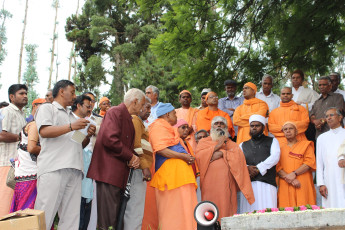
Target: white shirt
304,96
328,172
272,100
153,115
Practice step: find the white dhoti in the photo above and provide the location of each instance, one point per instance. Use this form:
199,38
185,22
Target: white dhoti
135,207
265,197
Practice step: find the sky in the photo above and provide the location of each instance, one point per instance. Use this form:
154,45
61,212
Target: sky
39,30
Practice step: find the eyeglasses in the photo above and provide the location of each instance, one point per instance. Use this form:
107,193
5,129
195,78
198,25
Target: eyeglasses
200,137
331,115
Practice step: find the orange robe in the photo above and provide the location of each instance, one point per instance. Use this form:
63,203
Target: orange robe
291,158
288,112
174,182
189,115
205,116
221,179
242,114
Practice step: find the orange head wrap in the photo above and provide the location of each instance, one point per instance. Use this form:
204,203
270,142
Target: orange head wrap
252,86
185,91
38,101
103,99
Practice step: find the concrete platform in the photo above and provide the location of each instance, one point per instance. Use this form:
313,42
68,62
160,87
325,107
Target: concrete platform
313,219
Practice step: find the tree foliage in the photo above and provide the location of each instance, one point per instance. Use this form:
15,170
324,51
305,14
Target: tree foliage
4,14
30,77
192,44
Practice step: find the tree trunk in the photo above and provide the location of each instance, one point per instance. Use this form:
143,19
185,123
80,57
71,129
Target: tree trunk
56,5
72,49
22,43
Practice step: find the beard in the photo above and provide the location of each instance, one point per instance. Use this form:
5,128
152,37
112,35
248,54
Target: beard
256,135
231,94
217,133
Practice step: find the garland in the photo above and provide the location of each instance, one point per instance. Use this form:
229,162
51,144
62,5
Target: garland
286,209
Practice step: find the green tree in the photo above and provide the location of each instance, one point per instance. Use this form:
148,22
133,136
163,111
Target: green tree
30,77
4,14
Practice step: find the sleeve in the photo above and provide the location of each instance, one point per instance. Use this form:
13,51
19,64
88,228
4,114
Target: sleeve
111,138
273,126
272,160
230,126
341,151
44,116
309,157
137,138
319,163
303,123
6,121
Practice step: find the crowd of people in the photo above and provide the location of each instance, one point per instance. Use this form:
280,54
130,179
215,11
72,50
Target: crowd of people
243,153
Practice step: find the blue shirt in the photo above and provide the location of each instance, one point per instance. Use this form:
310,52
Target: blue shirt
226,103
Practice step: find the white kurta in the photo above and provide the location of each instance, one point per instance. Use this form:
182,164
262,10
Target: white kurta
265,194
328,172
305,97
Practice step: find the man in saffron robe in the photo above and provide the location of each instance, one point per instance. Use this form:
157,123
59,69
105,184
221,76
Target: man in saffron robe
187,113
174,179
295,167
223,169
205,116
288,111
104,105
250,106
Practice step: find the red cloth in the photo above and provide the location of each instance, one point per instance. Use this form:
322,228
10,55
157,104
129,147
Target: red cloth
114,148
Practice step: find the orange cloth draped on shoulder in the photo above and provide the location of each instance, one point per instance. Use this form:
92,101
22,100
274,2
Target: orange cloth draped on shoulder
288,112
205,116
291,158
243,113
172,181
102,113
221,179
189,115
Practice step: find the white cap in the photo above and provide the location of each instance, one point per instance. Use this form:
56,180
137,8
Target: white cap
258,118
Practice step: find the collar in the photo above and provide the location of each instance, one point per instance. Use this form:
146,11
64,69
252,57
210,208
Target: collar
75,115
328,94
299,88
236,97
336,130
58,106
13,106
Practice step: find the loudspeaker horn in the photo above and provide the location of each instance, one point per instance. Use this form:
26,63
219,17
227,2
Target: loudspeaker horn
206,215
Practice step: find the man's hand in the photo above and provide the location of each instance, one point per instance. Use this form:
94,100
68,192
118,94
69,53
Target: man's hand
253,171
341,163
146,174
91,131
323,191
231,109
319,123
79,124
134,162
290,177
216,155
296,183
220,143
189,159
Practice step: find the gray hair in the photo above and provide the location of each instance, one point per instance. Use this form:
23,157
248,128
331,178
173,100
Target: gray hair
336,110
133,94
267,76
219,119
327,78
154,89
200,131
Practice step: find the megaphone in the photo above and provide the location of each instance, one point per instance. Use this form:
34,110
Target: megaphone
206,215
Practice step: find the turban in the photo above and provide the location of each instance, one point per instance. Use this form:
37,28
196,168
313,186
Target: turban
38,101
258,118
252,86
290,122
185,91
180,122
103,99
164,108
208,94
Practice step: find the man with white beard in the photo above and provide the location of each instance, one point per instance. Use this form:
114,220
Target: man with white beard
223,169
262,153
